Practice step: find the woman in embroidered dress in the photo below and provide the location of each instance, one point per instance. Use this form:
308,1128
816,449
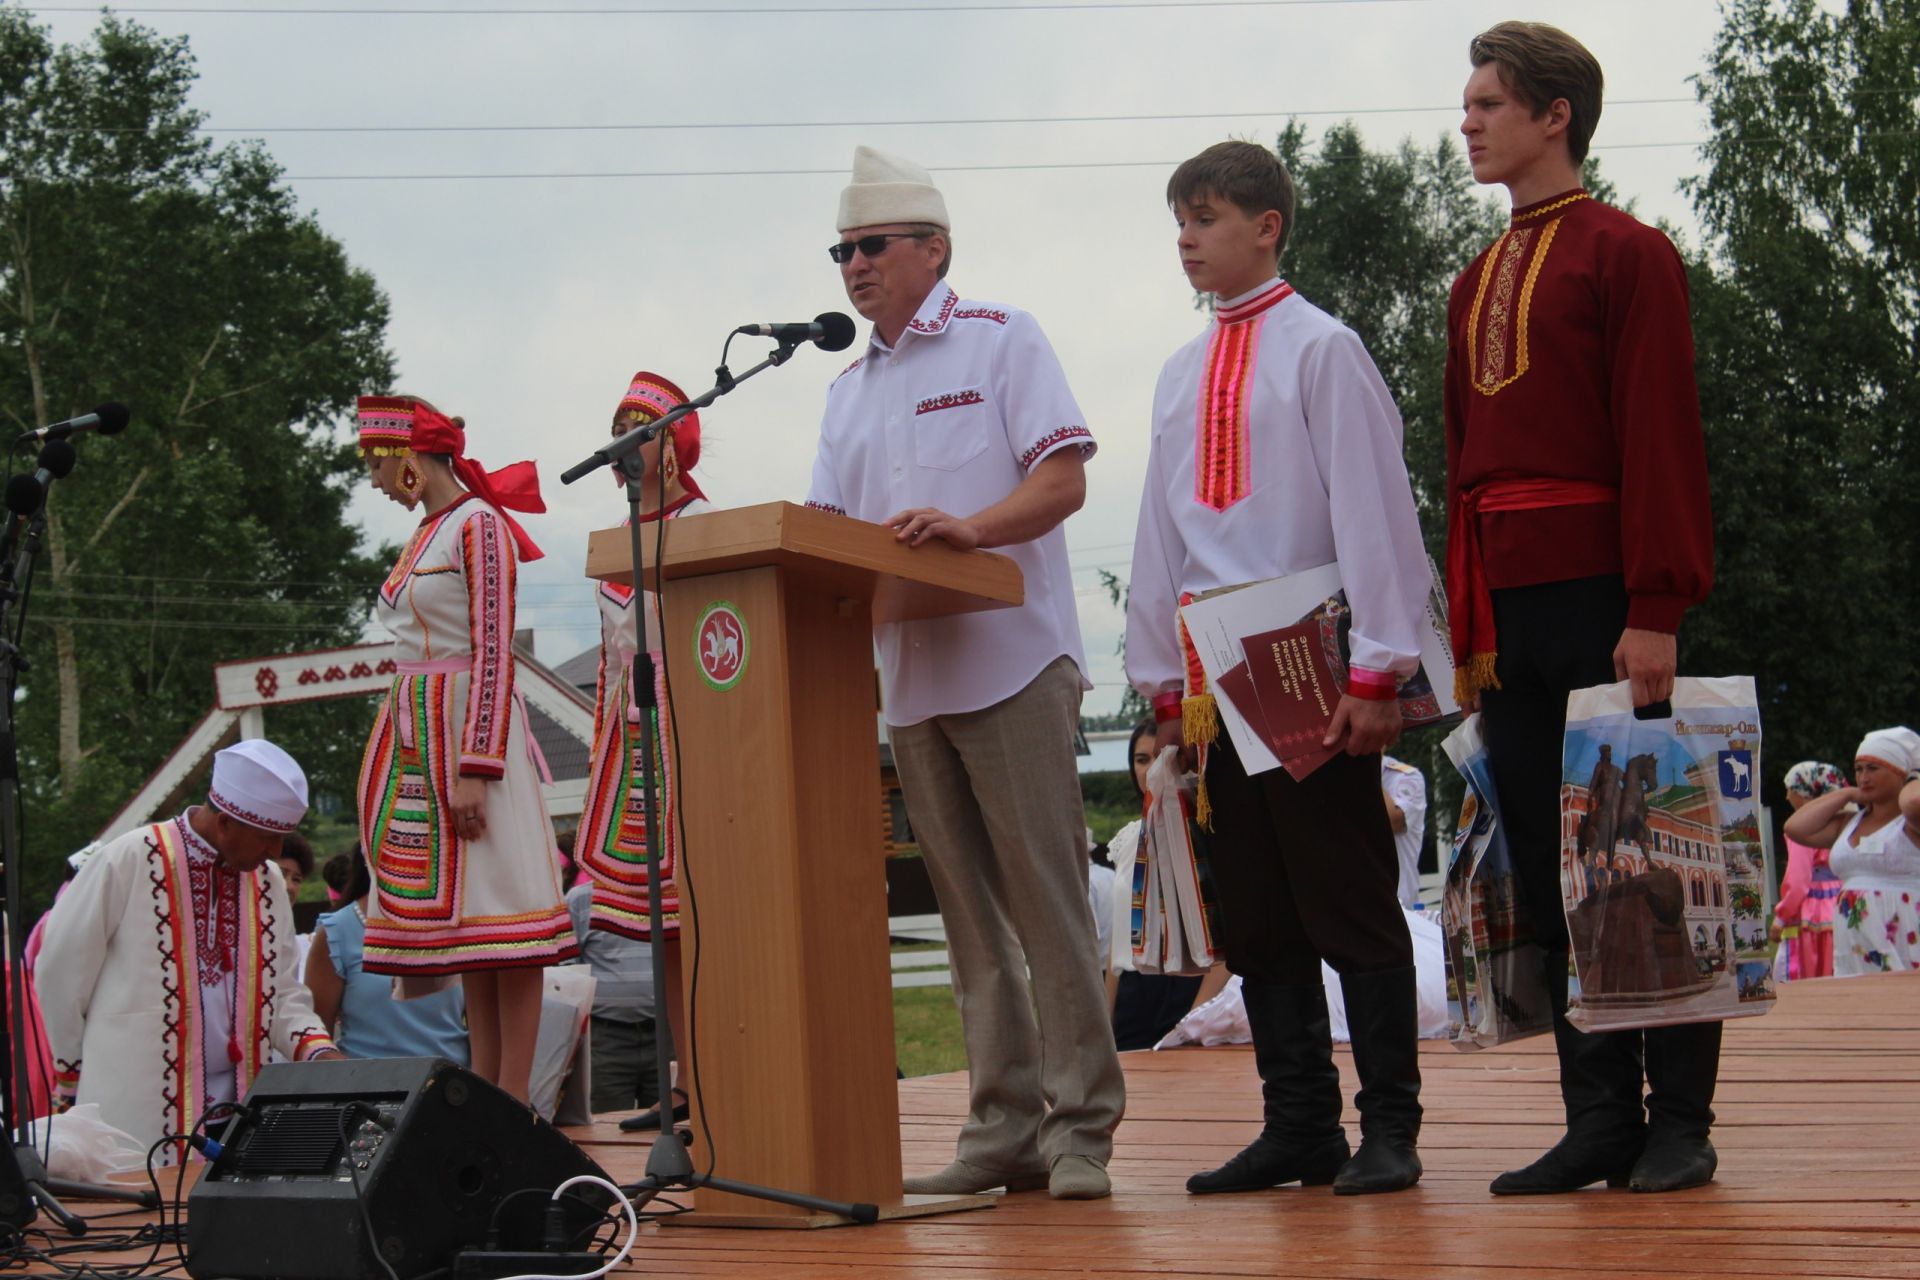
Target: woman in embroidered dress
1876,855
451,814
613,844
1804,916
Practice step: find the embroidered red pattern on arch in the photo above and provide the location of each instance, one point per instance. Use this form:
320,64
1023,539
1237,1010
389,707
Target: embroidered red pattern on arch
948,400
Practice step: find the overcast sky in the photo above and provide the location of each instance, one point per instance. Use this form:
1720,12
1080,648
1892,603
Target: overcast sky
525,302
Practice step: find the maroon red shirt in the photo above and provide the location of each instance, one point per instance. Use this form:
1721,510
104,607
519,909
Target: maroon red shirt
1570,357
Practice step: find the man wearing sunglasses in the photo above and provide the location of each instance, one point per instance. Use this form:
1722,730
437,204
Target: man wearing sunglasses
957,423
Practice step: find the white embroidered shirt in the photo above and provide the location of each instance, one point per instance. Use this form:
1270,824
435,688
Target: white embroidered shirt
1301,467
955,415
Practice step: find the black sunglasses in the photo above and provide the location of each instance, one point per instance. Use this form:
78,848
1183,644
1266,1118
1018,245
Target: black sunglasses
872,246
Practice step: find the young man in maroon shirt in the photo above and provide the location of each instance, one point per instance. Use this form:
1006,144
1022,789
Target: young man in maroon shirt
1579,534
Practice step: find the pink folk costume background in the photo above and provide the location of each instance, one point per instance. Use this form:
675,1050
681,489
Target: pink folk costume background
444,904
613,845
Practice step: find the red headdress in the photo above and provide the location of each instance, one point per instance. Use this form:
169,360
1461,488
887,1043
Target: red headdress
653,397
515,487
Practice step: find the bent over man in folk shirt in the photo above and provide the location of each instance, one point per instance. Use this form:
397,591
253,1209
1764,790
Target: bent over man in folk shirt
167,973
957,424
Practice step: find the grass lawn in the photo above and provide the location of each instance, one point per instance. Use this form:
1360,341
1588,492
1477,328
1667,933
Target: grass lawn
926,1026
926,1031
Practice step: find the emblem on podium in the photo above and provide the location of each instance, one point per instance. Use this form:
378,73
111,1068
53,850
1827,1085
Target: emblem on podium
720,645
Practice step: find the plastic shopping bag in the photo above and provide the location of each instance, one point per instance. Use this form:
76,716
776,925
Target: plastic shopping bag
562,1062
1660,861
1498,968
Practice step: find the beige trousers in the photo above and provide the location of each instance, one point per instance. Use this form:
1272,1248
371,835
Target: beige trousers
994,800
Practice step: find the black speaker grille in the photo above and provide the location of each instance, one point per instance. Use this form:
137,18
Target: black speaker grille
293,1140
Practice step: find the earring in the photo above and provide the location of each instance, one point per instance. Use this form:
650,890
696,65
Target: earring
411,481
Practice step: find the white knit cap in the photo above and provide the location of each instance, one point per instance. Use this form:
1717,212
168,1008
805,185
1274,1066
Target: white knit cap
259,784
1898,746
889,189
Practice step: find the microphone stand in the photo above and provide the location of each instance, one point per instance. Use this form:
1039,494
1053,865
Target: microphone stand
669,1166
16,578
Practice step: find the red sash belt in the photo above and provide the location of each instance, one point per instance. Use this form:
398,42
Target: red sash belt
1470,608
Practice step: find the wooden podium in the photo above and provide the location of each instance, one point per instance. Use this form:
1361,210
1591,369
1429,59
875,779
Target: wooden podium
769,646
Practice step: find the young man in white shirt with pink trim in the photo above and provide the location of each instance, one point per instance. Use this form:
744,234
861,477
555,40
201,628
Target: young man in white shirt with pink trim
957,424
1276,449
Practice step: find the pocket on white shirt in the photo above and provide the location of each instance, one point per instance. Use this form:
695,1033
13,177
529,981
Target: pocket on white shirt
952,428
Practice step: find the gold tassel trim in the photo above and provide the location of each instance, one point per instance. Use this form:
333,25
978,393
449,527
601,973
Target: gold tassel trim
1199,719
1477,675
1200,725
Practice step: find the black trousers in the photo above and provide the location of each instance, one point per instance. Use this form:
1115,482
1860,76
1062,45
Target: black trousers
1304,871
1554,638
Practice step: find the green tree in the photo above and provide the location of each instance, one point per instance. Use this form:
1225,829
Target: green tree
1133,707
1807,324
1379,236
141,263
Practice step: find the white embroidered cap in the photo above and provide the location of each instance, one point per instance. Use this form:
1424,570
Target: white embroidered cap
259,784
889,189
1898,746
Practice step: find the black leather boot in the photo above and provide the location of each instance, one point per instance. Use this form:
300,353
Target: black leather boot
1293,1051
1600,1088
1683,1065
1383,1017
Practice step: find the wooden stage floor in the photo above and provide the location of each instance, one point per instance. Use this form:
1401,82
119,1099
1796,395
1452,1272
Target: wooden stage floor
1818,1135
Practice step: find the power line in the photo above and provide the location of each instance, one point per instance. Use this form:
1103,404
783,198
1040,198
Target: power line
958,121
840,170
1038,6
835,171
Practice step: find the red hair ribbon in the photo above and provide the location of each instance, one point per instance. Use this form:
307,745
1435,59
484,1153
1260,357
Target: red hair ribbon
515,487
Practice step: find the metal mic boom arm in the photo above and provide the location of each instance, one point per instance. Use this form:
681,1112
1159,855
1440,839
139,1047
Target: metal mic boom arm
614,450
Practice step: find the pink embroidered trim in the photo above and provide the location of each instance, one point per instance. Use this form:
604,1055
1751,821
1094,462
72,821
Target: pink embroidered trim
951,400
489,696
850,368
940,318
1221,472
982,313
829,508
247,816
1045,444
1254,306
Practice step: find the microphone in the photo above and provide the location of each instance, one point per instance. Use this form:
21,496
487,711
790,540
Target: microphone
108,419
830,331
25,493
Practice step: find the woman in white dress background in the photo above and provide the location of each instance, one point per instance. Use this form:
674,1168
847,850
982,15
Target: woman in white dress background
1873,828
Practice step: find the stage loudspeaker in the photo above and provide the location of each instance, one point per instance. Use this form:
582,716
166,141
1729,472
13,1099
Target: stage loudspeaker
438,1153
